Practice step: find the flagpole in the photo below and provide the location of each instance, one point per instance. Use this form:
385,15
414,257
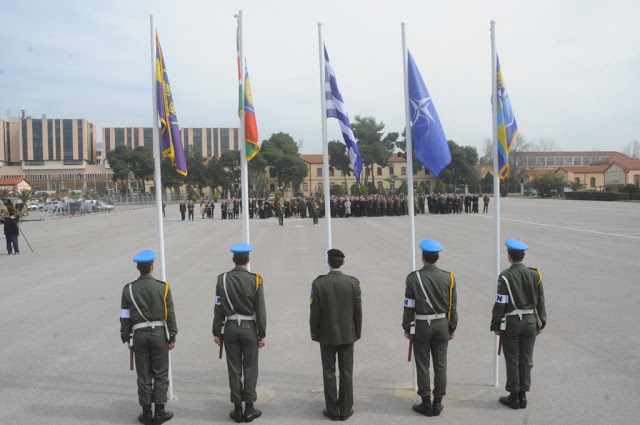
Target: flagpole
409,153
496,189
244,176
157,153
325,145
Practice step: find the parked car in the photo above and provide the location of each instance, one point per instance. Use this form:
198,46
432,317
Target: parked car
530,192
33,206
101,206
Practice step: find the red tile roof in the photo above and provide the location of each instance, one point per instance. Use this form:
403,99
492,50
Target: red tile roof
12,181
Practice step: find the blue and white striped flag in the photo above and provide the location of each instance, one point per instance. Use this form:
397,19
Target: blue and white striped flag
335,109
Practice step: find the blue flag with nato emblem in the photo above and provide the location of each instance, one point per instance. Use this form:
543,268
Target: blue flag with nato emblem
335,109
428,136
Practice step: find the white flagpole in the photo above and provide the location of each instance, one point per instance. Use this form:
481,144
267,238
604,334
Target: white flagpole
325,146
496,188
157,152
244,176
409,138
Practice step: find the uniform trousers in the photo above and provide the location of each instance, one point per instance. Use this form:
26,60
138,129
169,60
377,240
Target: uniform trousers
338,404
517,344
151,350
431,341
241,347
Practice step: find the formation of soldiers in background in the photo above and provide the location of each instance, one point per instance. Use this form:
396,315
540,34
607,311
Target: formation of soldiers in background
353,206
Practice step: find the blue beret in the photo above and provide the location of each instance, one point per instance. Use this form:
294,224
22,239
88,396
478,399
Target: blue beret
241,248
146,256
516,245
429,245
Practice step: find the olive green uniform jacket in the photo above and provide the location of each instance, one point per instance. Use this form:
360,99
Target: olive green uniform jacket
155,301
336,309
441,288
527,290
246,292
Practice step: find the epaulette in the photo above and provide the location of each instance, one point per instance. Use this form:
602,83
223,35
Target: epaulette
537,270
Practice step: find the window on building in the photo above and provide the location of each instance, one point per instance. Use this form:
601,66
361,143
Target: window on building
379,171
380,186
331,171
319,172
392,185
403,171
272,187
636,180
577,180
391,172
592,182
305,187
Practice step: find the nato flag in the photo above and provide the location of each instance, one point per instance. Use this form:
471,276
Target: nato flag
430,143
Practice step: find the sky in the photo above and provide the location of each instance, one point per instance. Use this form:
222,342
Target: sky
571,67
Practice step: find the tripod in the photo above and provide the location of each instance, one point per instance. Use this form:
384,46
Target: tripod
25,239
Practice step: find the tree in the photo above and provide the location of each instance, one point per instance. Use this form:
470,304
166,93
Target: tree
402,144
24,196
170,177
196,169
545,183
5,193
258,181
462,168
373,148
230,161
214,176
632,149
281,153
337,190
141,164
338,158
487,150
576,186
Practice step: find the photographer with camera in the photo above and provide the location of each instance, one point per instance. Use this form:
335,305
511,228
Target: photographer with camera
11,232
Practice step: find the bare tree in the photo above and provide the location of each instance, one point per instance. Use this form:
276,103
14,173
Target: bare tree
544,145
487,150
632,149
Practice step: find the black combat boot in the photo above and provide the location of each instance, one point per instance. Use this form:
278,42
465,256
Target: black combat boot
522,399
425,407
236,413
437,406
511,401
146,417
250,413
161,416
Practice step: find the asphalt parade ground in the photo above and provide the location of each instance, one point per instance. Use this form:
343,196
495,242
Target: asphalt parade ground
62,361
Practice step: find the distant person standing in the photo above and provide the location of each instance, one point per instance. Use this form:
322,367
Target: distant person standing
190,208
183,209
146,311
520,308
280,213
240,323
11,232
431,317
336,323
486,199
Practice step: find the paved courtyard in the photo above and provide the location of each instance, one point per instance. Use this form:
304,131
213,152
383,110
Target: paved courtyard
62,362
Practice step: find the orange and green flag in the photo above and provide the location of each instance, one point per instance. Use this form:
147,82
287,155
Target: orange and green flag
252,146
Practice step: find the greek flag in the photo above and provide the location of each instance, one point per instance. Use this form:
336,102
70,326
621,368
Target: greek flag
335,109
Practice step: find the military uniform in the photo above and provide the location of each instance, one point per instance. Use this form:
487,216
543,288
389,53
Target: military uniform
147,310
281,213
336,323
523,323
240,315
434,321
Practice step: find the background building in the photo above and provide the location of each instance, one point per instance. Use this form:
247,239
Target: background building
206,140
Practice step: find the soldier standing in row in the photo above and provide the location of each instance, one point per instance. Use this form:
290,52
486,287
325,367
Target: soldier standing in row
281,212
520,307
430,317
147,311
240,322
336,323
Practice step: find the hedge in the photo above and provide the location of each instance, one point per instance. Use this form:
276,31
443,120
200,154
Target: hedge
597,196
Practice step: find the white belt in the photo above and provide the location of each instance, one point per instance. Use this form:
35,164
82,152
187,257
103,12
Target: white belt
240,317
430,317
519,312
148,325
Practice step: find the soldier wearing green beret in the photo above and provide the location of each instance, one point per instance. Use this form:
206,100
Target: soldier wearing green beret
336,323
240,318
519,314
147,311
431,318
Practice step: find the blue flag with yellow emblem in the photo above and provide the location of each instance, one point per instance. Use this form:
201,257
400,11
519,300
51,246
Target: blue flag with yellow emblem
170,130
507,126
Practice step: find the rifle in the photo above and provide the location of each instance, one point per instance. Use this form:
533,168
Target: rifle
412,332
221,342
503,326
131,352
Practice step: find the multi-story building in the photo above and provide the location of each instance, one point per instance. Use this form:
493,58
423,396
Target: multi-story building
4,139
206,140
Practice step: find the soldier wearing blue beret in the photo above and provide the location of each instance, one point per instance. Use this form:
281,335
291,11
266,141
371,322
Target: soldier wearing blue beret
240,323
520,308
430,318
147,319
